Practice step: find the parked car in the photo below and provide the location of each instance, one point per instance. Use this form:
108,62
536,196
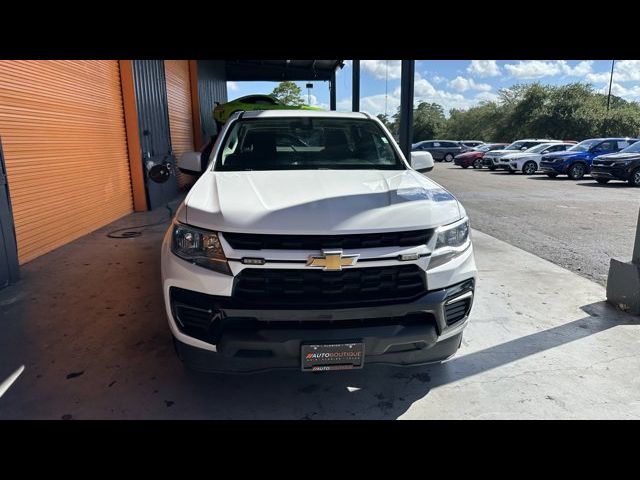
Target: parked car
473,158
576,161
471,143
325,257
528,162
623,165
440,149
491,159
223,111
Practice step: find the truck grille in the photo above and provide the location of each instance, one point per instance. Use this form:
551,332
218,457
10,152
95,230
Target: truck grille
320,289
251,241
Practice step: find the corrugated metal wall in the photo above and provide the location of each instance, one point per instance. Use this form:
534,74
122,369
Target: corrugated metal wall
212,87
153,122
63,133
180,113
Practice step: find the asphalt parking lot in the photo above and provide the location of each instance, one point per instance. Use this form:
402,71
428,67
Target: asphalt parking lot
578,225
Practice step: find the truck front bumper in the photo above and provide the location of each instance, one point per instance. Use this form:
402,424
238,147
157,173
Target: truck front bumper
428,329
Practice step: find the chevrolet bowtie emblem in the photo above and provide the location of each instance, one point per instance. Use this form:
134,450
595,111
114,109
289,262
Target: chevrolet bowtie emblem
332,260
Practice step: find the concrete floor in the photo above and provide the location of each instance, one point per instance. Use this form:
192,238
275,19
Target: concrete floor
88,324
578,225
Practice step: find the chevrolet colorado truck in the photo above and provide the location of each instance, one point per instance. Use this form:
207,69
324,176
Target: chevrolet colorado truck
328,253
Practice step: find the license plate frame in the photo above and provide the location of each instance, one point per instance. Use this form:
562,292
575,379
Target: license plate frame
330,356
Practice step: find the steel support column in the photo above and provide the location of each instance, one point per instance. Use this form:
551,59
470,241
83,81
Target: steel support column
355,94
406,107
332,91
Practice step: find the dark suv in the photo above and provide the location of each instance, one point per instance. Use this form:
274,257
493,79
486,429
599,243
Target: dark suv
440,149
622,165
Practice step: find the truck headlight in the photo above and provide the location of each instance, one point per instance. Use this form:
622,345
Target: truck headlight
201,247
451,241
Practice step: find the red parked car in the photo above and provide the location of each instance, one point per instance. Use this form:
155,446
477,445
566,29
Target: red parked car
473,158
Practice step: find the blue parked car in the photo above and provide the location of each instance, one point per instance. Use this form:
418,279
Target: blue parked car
576,161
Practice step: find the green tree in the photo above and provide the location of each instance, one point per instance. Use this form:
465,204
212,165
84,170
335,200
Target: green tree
288,93
428,121
386,121
574,111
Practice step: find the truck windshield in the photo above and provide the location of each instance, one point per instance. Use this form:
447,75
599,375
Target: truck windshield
306,143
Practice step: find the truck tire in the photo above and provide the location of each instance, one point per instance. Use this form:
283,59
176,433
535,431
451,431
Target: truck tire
577,171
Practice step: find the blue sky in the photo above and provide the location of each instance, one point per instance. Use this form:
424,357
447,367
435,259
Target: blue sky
458,83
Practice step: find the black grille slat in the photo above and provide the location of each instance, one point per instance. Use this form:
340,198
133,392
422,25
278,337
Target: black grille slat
454,312
254,241
294,287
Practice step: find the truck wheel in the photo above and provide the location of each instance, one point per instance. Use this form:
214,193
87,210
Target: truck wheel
529,168
552,175
448,157
634,179
477,163
602,181
576,171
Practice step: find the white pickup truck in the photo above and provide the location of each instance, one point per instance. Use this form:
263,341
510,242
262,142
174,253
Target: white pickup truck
309,242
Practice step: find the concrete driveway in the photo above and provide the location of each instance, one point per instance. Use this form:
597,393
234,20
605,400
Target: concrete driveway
87,322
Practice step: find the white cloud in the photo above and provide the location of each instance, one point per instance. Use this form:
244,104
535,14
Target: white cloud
463,84
438,79
314,101
232,86
535,69
623,71
379,68
628,93
598,77
484,68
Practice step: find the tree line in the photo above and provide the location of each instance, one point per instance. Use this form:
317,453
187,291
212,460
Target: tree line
569,112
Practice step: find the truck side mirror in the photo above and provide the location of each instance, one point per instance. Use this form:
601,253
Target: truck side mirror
189,163
421,161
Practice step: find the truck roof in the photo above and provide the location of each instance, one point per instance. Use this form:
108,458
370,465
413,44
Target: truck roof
302,113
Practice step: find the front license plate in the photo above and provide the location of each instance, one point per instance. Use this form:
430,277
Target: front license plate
332,356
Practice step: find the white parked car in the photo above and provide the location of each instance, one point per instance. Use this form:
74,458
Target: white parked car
528,162
331,255
491,159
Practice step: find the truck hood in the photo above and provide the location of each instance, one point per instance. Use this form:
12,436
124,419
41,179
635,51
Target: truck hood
318,202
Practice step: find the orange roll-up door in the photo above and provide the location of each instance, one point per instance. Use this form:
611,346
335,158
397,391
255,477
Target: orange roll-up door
63,133
180,113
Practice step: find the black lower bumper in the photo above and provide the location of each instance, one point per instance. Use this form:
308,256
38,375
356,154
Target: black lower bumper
261,339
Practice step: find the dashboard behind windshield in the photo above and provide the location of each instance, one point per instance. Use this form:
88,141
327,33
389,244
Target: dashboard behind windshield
306,143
